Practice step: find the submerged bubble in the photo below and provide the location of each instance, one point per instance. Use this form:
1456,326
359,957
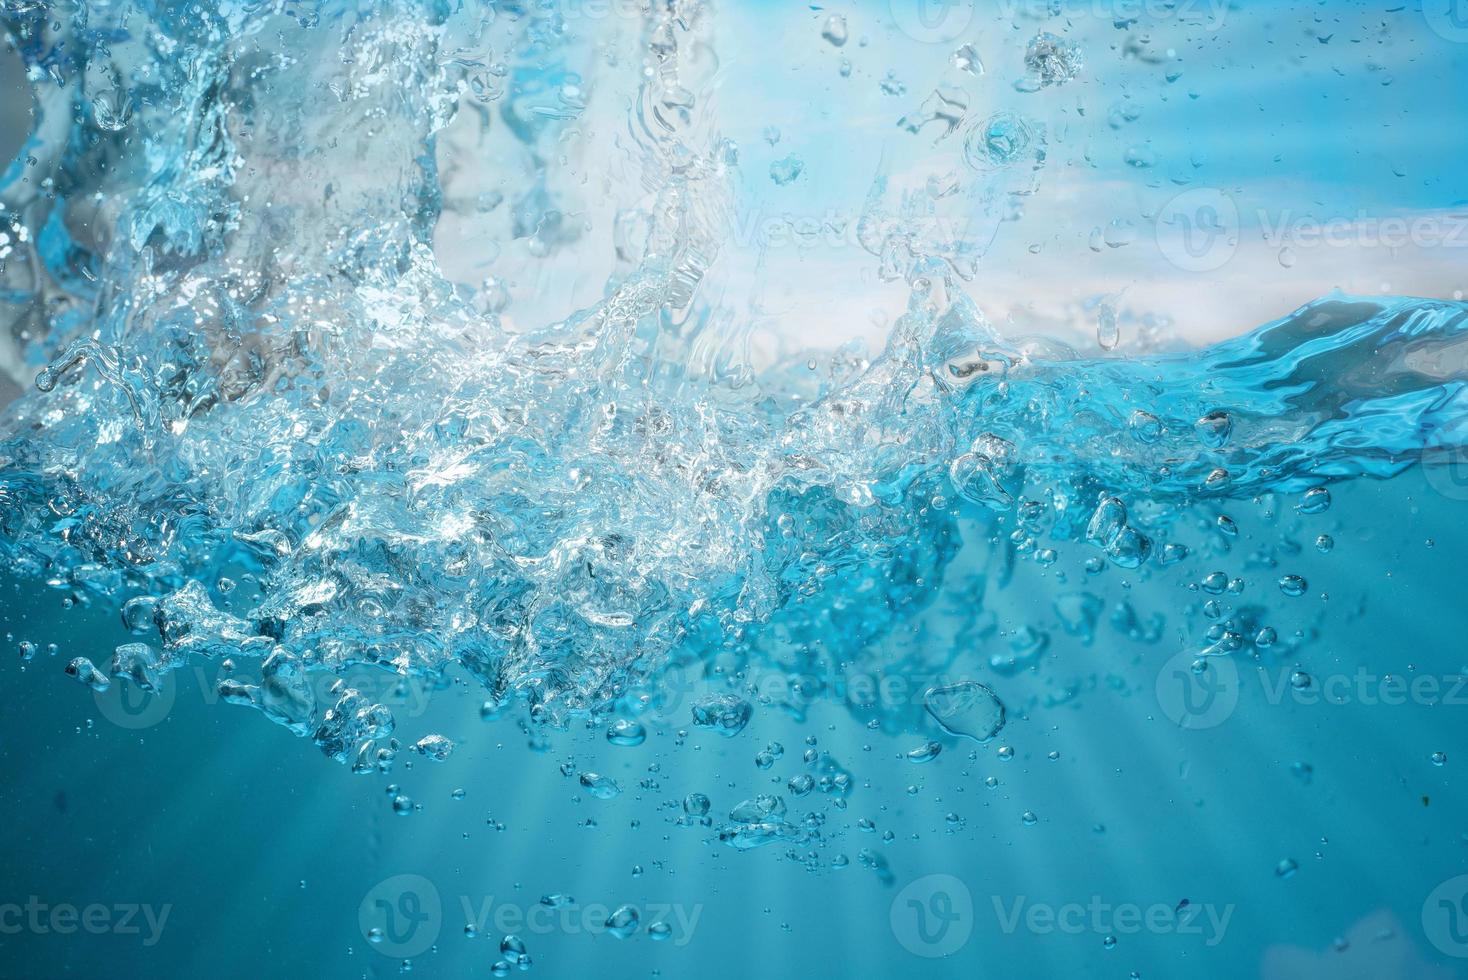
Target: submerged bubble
966,59
512,948
986,474
785,170
726,714
999,141
86,673
599,786
835,32
1316,500
1214,429
968,709
1293,585
625,731
623,922
926,752
1052,60
435,747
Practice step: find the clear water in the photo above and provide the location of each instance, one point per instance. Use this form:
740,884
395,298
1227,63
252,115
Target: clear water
729,489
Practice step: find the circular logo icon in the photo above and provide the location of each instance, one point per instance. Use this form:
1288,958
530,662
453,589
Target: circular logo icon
128,706
401,917
1198,698
1198,230
1447,18
933,916
671,695
1445,917
932,21
1445,467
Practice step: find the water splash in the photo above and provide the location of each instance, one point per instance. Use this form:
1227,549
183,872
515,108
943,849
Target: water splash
249,364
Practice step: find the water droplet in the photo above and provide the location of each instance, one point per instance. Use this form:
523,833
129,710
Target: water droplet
1108,329
784,171
967,59
835,30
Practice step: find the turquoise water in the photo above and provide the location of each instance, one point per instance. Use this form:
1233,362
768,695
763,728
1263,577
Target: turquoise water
731,489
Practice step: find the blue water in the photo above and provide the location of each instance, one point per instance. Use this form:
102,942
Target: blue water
715,490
